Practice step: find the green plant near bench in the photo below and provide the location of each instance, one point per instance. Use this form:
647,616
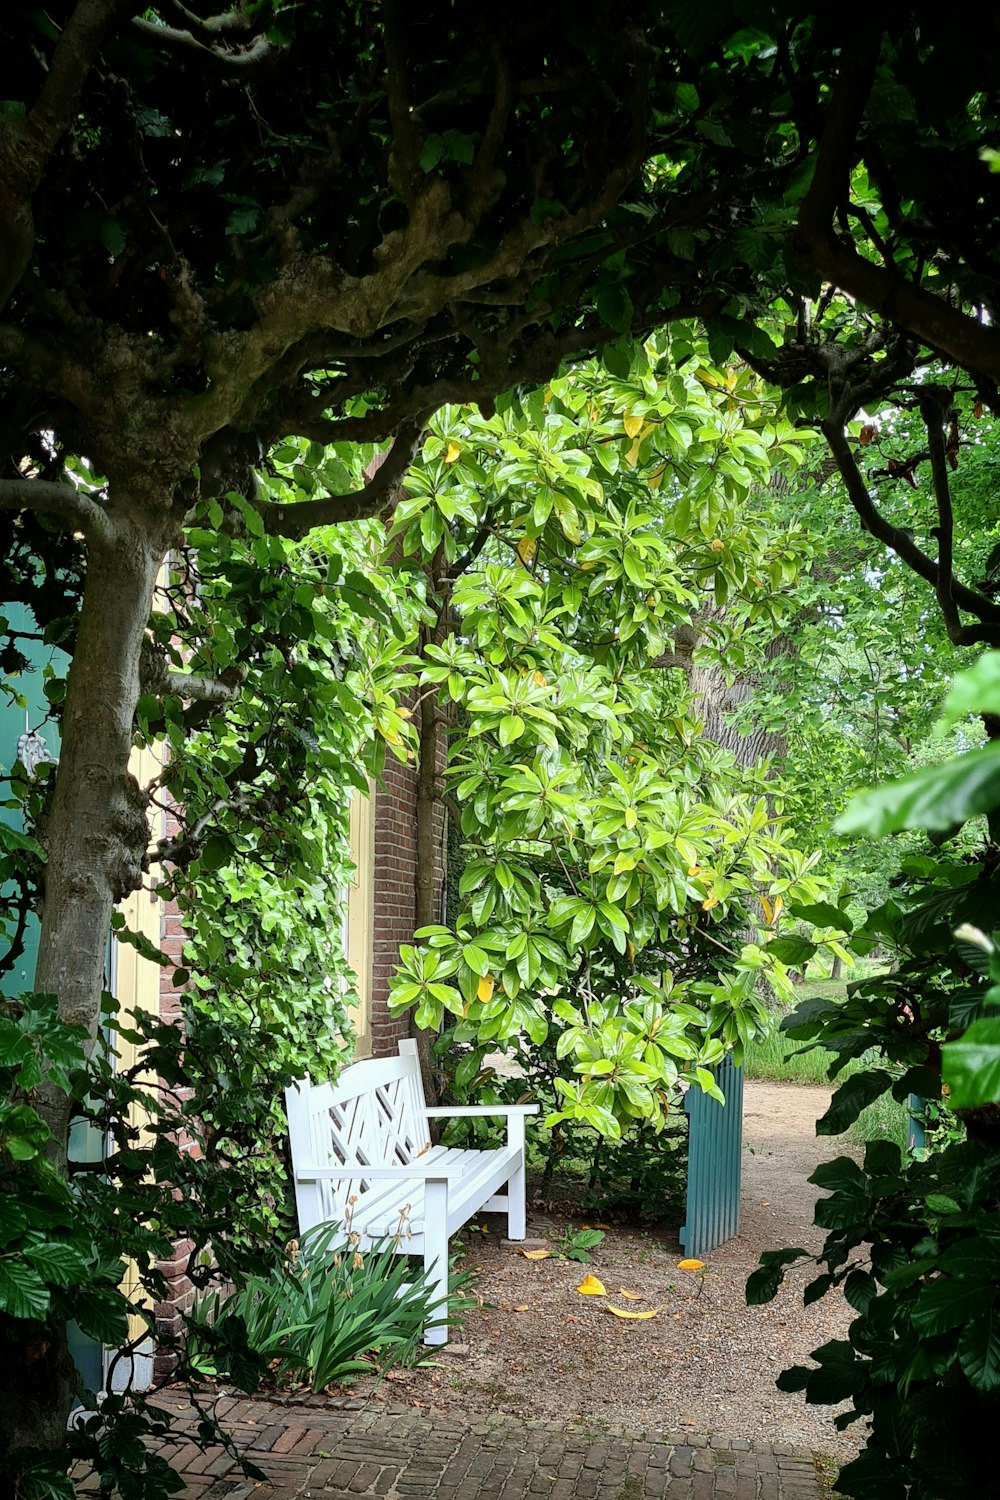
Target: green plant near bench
324,1316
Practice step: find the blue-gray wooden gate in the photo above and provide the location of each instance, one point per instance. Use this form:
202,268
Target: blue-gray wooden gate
715,1163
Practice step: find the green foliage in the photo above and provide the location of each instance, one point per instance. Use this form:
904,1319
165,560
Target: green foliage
55,1261
919,1360
323,1316
576,1244
610,855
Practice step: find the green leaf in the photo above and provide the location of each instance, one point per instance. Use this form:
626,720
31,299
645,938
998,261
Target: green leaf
477,960
938,798
979,1350
102,1313
860,1290
614,307
941,1203
60,1264
217,852
23,1293
854,1095
822,914
511,728
793,951
976,691
946,1304
971,1066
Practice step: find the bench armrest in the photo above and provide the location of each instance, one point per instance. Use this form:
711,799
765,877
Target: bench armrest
466,1111
430,1170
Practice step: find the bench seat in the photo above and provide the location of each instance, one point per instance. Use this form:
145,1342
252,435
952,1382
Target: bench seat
362,1157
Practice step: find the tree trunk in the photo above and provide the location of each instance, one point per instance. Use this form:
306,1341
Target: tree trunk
95,838
716,701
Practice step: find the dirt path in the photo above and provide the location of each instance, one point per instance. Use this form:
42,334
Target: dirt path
705,1362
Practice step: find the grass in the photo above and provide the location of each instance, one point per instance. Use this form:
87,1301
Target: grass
775,1059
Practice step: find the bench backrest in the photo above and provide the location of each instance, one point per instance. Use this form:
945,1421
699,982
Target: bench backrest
372,1116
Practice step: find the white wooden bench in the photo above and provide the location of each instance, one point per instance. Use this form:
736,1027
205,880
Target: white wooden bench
362,1155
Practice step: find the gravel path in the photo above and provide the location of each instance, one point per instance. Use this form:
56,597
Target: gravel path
705,1363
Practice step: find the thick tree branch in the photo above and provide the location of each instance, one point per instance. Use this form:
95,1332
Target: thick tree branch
226,21
831,183
198,688
934,403
404,168
63,501
963,338
484,181
894,537
58,102
241,60
374,498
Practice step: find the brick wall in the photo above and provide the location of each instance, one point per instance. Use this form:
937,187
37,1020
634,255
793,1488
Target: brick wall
395,889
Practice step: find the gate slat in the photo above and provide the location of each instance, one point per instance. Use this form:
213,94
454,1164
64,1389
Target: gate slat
715,1162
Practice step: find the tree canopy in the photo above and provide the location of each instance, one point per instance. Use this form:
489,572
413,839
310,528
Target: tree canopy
246,255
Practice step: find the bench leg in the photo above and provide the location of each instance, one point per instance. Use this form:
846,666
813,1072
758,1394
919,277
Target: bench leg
436,1255
516,1185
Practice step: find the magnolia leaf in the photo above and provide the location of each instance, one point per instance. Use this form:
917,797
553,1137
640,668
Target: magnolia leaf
485,988
453,452
625,1312
526,549
591,1287
535,1254
632,1296
691,1264
632,425
523,1307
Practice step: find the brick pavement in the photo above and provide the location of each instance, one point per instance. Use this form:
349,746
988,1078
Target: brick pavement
395,1453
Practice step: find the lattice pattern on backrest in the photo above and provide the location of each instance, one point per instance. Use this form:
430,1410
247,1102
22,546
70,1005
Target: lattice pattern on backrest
376,1129
372,1117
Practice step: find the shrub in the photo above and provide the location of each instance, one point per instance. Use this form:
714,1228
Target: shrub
323,1315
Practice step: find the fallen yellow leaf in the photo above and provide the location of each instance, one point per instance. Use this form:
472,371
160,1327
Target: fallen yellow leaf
522,1308
453,452
535,1254
625,1312
591,1287
632,1296
690,1265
